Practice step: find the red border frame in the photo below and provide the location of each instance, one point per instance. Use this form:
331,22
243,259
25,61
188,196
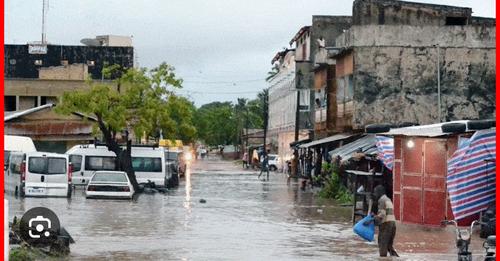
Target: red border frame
2,23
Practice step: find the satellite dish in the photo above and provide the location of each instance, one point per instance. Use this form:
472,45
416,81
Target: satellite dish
90,42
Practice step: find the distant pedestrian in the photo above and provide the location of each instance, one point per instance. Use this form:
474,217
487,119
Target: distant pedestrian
387,222
245,160
264,166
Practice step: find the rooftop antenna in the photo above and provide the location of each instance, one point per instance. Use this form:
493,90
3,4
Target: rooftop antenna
44,40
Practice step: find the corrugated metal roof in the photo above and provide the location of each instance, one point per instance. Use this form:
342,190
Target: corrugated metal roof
18,114
368,144
333,138
432,130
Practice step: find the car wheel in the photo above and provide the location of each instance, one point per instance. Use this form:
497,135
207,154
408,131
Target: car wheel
273,168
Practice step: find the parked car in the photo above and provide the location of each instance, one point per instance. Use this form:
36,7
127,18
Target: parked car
148,162
39,174
109,184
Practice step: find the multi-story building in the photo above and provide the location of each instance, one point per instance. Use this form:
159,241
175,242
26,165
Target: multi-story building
283,105
37,74
413,62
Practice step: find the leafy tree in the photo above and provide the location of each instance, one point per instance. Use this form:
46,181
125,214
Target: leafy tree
143,102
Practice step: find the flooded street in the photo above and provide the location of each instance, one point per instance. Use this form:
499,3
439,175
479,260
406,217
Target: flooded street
243,219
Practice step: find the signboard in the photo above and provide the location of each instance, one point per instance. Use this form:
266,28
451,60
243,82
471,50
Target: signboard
34,48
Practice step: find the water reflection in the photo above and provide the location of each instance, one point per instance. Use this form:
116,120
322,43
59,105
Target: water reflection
243,219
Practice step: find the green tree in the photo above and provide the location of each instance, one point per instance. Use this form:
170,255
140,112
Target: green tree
143,102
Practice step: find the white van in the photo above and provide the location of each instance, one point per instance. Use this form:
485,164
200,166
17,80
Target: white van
87,158
148,163
16,143
40,174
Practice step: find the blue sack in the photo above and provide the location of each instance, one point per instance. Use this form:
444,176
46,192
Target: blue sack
366,232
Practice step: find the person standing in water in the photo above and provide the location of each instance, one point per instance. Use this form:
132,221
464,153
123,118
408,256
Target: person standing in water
386,221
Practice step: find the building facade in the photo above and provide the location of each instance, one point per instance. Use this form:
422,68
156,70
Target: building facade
412,62
38,76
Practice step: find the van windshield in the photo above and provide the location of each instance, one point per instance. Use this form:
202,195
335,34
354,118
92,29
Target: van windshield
47,165
144,164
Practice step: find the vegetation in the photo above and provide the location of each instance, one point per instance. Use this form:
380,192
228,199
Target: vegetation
223,123
333,187
143,104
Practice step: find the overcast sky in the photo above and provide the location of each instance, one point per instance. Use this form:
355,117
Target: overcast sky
221,48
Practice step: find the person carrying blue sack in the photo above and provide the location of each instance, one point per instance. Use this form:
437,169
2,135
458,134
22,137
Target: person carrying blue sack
386,221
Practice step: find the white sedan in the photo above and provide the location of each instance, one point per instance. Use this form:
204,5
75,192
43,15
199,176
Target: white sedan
109,184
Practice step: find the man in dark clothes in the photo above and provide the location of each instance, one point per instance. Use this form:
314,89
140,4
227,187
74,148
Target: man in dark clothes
387,222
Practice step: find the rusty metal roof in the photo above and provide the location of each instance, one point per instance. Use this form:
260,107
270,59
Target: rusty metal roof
48,128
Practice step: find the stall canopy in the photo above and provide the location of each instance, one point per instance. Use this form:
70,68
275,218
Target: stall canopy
330,139
299,142
471,174
367,144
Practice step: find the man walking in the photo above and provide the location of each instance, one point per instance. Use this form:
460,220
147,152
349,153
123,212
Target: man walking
265,166
387,222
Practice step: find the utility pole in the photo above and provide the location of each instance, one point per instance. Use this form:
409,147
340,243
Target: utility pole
266,118
295,162
439,83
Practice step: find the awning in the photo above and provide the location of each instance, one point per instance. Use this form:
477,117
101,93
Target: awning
330,139
367,144
296,143
431,130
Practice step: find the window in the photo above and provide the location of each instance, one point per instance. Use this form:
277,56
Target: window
110,177
76,161
456,20
6,155
9,103
56,166
144,164
100,163
304,100
171,155
48,166
15,163
43,100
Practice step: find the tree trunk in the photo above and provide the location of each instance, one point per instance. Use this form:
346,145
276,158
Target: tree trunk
123,157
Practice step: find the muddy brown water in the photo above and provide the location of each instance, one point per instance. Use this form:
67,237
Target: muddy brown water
243,219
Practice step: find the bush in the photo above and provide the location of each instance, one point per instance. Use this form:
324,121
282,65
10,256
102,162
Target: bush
334,189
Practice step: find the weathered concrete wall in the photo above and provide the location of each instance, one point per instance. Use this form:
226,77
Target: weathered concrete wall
65,72
329,28
27,87
423,36
396,84
392,12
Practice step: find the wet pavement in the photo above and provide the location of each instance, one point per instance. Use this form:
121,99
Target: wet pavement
243,219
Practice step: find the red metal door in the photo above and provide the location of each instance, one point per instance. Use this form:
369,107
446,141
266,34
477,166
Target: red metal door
434,181
411,181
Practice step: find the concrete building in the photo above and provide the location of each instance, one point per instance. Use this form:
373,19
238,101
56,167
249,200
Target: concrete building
296,77
309,42
400,61
36,75
283,105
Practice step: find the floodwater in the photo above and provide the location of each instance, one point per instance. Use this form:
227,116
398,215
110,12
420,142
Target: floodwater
243,219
